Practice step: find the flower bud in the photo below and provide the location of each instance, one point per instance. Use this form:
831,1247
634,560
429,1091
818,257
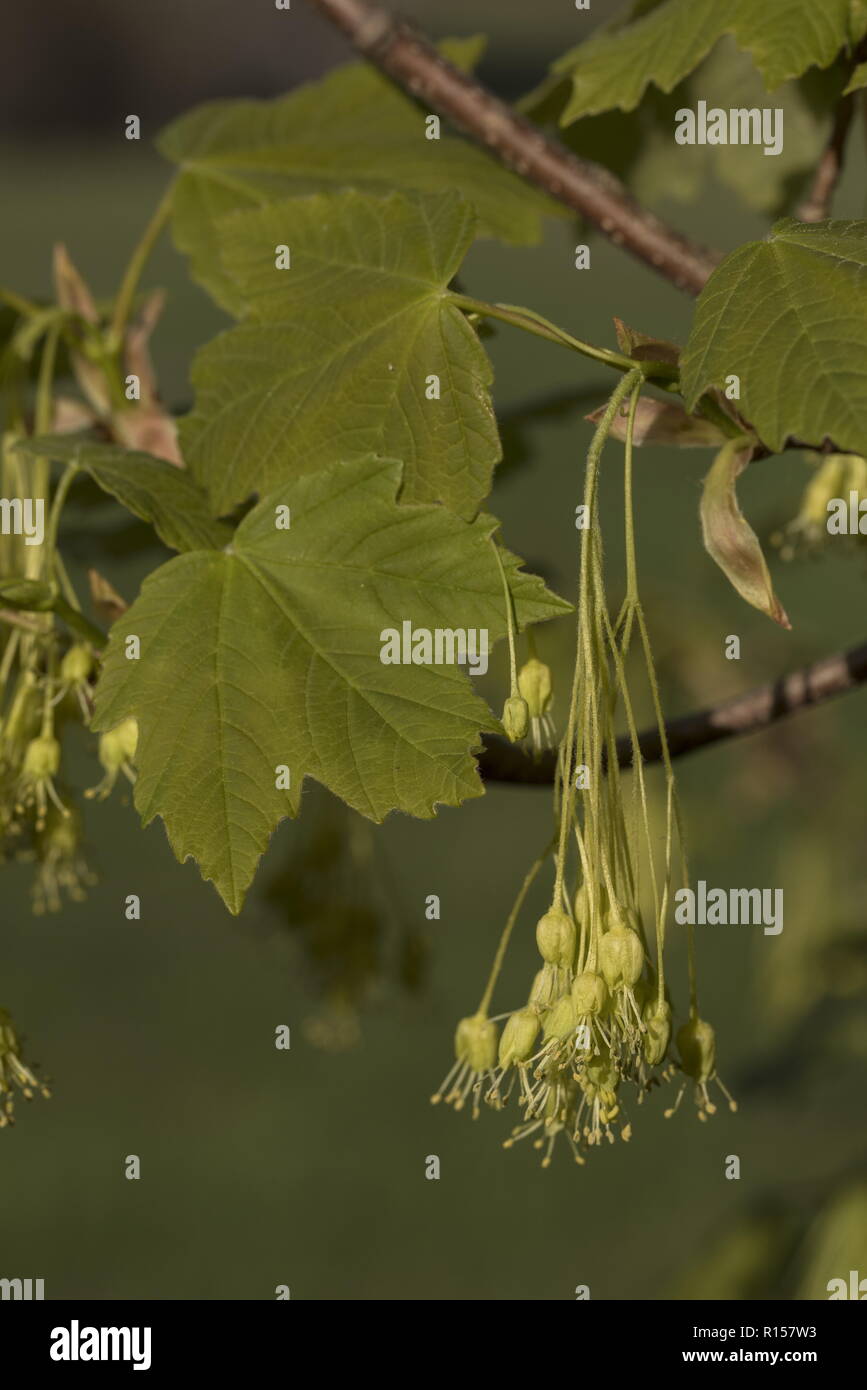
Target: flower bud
32,594
555,937
696,1043
534,683
589,994
621,957
856,473
544,987
60,836
77,664
118,745
827,482
600,1075
41,758
516,718
476,1042
657,1021
518,1037
560,1020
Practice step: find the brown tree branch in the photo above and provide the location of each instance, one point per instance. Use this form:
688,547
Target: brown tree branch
817,205
743,714
406,56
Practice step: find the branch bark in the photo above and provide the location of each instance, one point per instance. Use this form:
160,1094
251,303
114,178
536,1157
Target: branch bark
817,205
743,714
411,61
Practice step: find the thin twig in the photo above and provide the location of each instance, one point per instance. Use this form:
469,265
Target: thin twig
817,205
743,714
410,60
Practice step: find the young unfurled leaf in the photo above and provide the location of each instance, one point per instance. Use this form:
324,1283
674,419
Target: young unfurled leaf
784,38
165,496
728,537
107,602
355,348
75,299
664,422
643,347
788,318
73,294
150,430
353,129
279,640
71,416
147,425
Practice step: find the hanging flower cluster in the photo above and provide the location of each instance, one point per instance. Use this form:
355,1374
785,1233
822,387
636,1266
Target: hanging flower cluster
41,693
834,504
49,650
596,1028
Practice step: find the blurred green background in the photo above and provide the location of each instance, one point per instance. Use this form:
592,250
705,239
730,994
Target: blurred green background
307,1167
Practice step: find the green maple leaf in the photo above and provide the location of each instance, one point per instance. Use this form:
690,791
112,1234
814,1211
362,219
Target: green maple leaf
784,37
158,492
638,147
353,129
857,80
788,317
729,79
278,638
335,352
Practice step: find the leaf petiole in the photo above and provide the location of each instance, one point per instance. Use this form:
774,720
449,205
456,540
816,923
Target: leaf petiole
664,374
